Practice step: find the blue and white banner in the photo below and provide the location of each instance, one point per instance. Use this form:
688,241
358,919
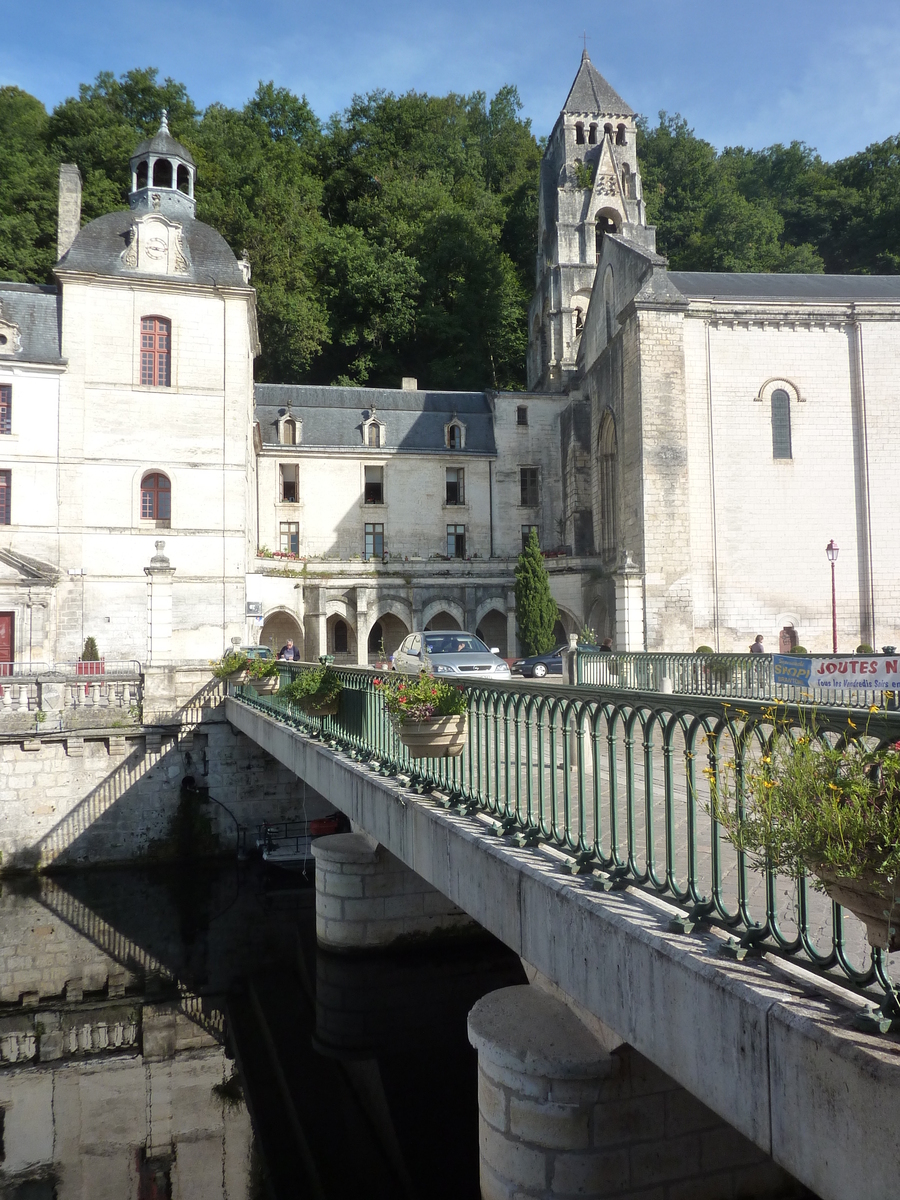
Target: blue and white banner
871,672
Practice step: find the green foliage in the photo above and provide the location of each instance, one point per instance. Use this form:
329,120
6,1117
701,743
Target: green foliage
536,611
704,650
584,174
800,650
421,698
319,684
262,668
229,663
90,653
864,648
809,801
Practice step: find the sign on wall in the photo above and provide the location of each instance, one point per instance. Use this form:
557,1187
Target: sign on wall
873,672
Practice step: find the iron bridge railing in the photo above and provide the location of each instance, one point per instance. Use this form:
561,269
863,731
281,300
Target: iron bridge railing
619,781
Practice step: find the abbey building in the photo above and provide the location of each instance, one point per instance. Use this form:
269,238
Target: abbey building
688,445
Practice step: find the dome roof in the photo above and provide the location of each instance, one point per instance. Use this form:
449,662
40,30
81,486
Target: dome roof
162,143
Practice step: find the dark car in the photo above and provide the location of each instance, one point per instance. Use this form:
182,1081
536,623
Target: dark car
539,665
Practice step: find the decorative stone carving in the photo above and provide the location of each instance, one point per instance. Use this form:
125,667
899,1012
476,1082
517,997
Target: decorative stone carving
156,245
10,337
606,185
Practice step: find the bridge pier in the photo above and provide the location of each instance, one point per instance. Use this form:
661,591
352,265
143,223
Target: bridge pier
563,1113
366,899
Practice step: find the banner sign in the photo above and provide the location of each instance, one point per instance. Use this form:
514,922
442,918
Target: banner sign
870,672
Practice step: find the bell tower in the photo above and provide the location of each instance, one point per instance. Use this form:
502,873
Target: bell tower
163,175
590,187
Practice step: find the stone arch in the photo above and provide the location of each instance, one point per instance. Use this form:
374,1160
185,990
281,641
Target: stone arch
386,630
607,483
396,608
341,637
430,611
492,627
278,625
485,607
777,383
567,621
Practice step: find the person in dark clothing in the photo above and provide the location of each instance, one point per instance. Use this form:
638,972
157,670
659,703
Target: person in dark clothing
758,647
289,652
607,645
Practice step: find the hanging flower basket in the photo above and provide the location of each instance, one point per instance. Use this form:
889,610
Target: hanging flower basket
315,707
266,687
872,898
444,737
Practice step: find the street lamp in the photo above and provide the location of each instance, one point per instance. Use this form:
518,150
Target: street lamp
832,551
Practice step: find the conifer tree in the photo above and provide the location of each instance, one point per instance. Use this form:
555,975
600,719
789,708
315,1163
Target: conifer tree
536,611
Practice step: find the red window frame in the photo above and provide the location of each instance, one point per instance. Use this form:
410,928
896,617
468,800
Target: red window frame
5,408
156,352
156,497
5,497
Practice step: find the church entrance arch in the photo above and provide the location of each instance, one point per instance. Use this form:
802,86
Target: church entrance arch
277,628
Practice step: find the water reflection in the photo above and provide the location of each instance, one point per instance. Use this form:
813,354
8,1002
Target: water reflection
145,1017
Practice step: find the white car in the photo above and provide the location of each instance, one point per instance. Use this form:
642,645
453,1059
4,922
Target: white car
449,652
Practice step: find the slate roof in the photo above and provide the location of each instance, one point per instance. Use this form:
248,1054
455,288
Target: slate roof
746,286
590,93
162,142
414,421
99,245
35,309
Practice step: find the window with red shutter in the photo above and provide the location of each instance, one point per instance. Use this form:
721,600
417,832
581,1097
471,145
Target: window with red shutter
156,351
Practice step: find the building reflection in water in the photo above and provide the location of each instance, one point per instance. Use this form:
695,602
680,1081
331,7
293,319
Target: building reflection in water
142,1014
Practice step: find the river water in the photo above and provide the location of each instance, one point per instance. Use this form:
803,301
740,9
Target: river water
178,1035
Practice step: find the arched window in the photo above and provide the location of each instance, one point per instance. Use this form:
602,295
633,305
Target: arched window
162,173
606,223
627,182
340,637
289,432
620,136
373,436
454,437
609,483
579,133
579,322
781,424
184,180
143,174
156,497
607,128
156,351
592,135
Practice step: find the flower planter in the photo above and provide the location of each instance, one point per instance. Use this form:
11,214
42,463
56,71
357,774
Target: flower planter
94,667
236,676
445,737
319,708
266,687
870,898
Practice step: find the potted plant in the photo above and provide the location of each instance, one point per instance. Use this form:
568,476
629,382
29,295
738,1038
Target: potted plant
428,714
263,676
232,666
317,691
90,662
827,807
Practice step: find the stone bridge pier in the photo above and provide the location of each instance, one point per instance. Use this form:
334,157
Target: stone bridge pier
566,1108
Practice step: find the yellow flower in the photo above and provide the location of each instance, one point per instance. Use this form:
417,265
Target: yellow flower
767,758
873,708
851,723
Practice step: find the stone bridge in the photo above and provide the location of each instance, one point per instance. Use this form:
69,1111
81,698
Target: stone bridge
589,1079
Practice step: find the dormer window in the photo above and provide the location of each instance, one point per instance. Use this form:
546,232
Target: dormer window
455,435
373,432
289,431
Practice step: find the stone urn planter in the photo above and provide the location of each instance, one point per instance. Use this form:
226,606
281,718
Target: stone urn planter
873,898
239,676
266,687
444,737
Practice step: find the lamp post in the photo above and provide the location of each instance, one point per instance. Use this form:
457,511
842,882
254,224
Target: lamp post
832,551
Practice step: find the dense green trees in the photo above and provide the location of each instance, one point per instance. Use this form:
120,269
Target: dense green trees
399,237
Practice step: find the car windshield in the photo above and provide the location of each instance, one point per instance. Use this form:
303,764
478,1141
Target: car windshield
454,643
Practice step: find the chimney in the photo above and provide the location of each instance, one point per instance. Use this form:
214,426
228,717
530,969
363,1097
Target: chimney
69,220
410,384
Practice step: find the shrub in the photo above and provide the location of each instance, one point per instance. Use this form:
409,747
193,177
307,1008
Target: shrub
262,668
319,684
231,661
704,650
90,653
801,650
421,697
864,648
536,610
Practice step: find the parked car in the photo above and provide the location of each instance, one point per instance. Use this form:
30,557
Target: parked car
551,663
449,652
256,651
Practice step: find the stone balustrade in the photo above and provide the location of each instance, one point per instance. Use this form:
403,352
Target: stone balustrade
57,697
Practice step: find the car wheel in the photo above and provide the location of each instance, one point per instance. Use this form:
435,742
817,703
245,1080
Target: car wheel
539,671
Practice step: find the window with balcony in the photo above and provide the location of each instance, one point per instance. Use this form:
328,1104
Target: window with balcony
455,485
156,352
529,490
374,540
456,541
289,537
374,485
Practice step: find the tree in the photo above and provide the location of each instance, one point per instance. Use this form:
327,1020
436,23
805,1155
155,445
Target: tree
536,611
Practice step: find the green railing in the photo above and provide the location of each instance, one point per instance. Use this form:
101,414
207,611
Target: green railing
732,676
618,782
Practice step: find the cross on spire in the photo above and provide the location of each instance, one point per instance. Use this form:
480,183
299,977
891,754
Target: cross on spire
585,39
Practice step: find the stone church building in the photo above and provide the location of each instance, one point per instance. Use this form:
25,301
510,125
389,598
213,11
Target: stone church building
688,445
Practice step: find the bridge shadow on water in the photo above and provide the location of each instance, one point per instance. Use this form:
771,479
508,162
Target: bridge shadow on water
356,1070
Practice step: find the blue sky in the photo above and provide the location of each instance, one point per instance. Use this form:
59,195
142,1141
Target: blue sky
816,70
